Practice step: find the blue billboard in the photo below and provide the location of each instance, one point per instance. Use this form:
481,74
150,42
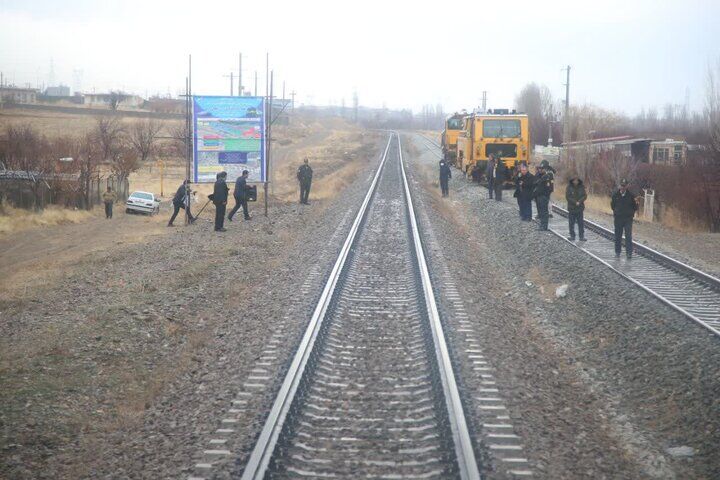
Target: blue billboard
228,135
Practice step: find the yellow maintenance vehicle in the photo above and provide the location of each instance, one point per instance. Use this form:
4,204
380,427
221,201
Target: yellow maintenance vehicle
448,141
502,132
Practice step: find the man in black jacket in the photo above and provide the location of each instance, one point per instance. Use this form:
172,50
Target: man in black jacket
499,177
220,197
304,176
490,175
240,195
445,176
575,196
181,200
523,192
624,206
541,192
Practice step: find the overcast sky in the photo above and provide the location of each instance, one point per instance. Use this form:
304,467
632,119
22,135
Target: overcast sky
625,55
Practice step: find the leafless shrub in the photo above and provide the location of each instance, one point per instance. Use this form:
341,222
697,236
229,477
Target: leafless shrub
536,100
108,133
143,137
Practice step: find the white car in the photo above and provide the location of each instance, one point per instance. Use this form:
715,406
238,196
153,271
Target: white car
143,202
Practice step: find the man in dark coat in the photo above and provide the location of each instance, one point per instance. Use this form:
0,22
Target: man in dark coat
541,192
445,176
476,173
624,206
240,195
499,177
575,196
304,176
523,192
181,200
490,175
220,197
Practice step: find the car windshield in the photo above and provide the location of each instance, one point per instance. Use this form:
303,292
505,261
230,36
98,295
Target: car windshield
501,128
142,195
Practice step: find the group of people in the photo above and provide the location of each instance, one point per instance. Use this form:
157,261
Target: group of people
242,194
540,186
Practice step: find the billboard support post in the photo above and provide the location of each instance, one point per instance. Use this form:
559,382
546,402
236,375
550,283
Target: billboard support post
188,136
268,122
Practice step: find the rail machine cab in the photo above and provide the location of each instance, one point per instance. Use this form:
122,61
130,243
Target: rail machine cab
453,126
502,132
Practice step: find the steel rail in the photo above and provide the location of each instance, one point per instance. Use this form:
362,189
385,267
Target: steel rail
651,254
463,445
660,258
262,452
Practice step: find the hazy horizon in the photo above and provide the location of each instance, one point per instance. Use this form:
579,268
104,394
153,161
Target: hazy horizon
624,56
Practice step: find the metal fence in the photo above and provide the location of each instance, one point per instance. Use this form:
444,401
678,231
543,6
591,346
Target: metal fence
28,190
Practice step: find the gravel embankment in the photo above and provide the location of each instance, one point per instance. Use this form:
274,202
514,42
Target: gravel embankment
599,383
152,341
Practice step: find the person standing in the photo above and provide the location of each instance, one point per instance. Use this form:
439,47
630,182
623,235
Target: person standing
523,192
240,195
499,177
182,200
575,196
109,197
541,191
445,176
624,206
220,197
490,175
304,176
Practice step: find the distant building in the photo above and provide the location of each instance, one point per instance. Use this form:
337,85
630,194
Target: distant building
105,99
551,154
668,152
59,91
636,148
18,95
645,150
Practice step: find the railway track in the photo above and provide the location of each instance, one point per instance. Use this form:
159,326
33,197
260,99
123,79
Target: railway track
692,292
371,391
688,290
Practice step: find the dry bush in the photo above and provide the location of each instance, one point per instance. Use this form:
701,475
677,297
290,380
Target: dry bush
143,137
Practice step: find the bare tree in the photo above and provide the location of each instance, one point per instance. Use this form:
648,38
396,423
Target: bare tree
116,98
88,156
536,101
143,137
710,173
27,151
125,161
108,133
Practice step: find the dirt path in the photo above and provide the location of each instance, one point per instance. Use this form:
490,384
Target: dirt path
38,256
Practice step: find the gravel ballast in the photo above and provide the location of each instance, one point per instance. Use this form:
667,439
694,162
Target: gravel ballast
605,382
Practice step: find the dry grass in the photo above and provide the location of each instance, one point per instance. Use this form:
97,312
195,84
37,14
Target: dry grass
14,220
672,218
56,124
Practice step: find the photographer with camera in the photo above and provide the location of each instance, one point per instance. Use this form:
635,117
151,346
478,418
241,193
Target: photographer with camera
182,200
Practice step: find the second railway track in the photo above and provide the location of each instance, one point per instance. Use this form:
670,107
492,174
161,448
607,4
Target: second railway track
688,290
371,392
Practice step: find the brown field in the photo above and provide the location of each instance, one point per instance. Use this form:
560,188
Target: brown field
56,124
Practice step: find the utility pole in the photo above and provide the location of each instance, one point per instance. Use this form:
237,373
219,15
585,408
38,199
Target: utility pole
292,107
231,82
355,106
484,101
283,97
240,85
566,118
256,83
